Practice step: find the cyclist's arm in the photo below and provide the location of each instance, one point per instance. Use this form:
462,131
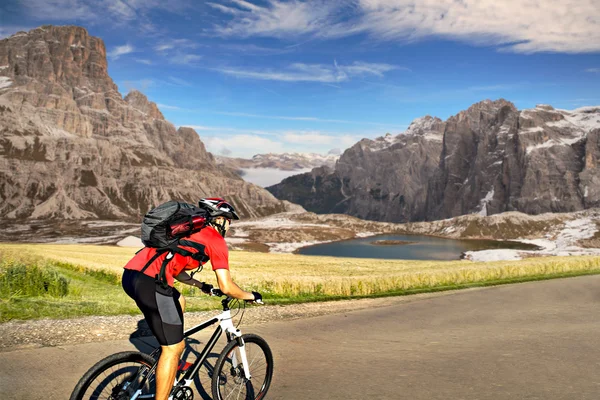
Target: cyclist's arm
229,287
184,277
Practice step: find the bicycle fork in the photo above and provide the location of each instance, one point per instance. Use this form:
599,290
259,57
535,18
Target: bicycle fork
236,334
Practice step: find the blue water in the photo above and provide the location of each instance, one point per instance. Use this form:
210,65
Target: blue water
424,248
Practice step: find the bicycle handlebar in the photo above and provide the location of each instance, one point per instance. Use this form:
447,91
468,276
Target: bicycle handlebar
219,293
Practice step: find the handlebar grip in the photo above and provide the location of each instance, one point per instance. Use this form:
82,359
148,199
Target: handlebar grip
216,292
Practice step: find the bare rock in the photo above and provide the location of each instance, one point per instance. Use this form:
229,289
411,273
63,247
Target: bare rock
72,148
488,159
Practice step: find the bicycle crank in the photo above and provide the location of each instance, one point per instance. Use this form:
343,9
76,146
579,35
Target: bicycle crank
183,393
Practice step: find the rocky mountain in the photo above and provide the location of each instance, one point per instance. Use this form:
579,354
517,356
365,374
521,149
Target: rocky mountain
71,147
281,161
488,159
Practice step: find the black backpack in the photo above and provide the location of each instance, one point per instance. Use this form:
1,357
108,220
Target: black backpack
165,228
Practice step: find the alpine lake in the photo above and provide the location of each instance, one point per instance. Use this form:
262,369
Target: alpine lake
408,247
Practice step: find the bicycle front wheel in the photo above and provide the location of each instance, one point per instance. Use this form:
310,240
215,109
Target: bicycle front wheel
117,377
229,380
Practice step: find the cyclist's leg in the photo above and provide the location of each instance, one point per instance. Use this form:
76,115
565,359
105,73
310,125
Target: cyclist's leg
167,368
164,315
171,340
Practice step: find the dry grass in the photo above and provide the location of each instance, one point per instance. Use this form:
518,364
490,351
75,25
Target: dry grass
292,275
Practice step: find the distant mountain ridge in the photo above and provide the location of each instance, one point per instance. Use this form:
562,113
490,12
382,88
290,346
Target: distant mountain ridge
488,159
281,161
71,147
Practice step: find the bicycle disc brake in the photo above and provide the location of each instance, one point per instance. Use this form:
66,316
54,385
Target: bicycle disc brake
183,393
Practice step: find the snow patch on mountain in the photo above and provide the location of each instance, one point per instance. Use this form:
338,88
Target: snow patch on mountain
5,82
424,127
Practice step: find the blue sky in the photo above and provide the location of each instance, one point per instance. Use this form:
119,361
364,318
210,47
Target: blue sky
310,76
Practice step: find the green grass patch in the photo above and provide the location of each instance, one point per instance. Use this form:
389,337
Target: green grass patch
66,281
18,279
276,299
32,288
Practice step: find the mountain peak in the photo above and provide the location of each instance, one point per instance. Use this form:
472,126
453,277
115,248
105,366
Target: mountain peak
66,55
140,102
81,150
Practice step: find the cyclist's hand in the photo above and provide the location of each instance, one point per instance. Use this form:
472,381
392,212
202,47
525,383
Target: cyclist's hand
257,298
206,287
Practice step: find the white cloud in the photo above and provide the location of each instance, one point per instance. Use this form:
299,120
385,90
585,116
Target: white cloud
119,51
175,50
323,73
217,130
143,61
276,18
309,137
249,142
291,118
175,44
282,117
59,9
321,140
522,26
121,9
179,81
167,107
184,59
243,145
105,11
593,70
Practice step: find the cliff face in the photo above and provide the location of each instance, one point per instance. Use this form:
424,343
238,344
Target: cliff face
488,159
71,147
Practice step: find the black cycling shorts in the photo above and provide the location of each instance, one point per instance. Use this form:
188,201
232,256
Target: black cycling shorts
160,307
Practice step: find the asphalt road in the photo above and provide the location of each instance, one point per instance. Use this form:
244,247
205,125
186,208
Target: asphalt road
535,340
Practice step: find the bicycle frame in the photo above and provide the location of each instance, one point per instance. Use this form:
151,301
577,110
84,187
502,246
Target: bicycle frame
225,325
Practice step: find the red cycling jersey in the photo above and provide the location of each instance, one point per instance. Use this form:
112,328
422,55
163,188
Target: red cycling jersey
214,247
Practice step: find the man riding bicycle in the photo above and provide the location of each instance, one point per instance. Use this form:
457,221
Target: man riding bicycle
163,309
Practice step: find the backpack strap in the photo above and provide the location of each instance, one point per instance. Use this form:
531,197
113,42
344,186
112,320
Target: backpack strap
161,278
199,256
158,253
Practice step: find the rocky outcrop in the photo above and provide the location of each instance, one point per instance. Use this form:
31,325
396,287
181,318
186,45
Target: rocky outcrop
72,147
488,159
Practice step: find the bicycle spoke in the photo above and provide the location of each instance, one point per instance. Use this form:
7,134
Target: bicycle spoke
239,390
125,369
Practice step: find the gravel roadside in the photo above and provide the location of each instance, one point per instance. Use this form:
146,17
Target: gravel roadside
17,335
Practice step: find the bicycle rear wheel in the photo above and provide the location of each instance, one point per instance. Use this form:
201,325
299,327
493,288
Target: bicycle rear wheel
229,380
117,377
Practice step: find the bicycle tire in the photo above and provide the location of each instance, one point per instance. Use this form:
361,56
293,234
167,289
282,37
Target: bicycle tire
221,378
113,377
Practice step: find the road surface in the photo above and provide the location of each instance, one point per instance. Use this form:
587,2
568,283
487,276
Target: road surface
537,340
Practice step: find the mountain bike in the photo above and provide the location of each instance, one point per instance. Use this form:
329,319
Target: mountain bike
243,369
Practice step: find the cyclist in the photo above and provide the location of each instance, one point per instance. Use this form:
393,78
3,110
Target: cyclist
163,309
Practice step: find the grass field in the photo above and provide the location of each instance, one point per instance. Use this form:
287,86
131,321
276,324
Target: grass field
93,275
